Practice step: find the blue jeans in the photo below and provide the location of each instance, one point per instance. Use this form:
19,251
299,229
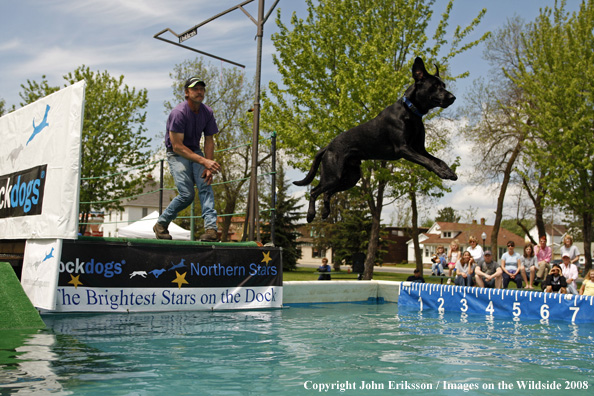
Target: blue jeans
437,268
462,281
186,173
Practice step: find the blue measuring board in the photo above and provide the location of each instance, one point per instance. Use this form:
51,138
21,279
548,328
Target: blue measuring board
499,303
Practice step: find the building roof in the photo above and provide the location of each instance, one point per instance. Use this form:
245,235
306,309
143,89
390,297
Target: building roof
462,232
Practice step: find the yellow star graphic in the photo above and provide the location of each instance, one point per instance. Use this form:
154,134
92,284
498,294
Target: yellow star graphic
266,258
75,281
181,279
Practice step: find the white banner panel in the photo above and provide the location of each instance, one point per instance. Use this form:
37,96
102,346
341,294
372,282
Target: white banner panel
41,264
120,299
40,167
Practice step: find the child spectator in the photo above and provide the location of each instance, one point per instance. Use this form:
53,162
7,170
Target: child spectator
464,270
324,268
570,249
587,288
438,262
530,264
556,282
453,256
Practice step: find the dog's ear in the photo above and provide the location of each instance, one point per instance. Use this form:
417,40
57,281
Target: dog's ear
418,70
436,70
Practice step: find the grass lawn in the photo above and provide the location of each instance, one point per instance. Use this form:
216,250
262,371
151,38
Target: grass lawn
307,274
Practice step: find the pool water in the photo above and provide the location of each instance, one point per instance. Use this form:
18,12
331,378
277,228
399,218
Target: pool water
301,350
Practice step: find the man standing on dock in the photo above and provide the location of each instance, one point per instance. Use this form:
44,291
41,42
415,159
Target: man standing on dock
189,166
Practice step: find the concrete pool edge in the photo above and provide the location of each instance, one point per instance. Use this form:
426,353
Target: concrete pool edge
311,292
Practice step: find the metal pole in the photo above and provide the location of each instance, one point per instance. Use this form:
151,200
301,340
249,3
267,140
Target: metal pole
192,223
253,214
273,188
161,189
253,192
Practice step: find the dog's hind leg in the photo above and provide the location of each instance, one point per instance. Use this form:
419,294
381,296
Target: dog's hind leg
311,210
350,176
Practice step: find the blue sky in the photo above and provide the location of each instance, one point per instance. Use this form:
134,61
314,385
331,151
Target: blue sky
55,37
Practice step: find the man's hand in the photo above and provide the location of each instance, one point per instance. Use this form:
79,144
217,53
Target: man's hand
211,166
207,176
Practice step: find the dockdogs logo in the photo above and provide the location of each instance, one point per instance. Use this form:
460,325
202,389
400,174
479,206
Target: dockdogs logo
21,193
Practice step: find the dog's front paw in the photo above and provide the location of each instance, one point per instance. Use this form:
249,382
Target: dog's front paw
448,174
453,177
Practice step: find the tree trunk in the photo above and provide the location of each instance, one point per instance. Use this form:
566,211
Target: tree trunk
537,199
415,231
373,243
82,227
226,222
375,208
499,212
587,231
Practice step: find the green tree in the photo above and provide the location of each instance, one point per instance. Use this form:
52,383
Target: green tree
418,184
34,90
230,96
343,65
448,215
518,227
113,136
497,133
554,76
287,215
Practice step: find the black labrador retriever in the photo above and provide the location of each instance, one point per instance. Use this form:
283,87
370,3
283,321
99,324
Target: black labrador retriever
397,132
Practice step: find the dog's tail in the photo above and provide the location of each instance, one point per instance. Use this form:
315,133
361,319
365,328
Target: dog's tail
314,169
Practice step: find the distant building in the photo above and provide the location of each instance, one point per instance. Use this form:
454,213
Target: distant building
397,245
310,253
94,226
442,233
136,208
554,233
235,233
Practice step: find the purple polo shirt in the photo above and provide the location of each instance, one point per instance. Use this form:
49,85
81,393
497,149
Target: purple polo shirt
183,120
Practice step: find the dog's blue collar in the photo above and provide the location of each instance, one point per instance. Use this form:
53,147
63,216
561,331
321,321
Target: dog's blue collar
412,107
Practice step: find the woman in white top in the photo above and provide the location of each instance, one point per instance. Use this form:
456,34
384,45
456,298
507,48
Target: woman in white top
476,251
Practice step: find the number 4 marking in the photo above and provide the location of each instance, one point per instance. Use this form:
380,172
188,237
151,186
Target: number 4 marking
490,308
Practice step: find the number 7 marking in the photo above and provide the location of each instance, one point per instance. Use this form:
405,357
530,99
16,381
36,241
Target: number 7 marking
576,310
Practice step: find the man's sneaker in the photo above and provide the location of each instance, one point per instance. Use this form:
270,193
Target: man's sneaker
210,236
161,231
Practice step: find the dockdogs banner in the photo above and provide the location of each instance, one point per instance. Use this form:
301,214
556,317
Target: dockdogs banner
130,276
40,167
